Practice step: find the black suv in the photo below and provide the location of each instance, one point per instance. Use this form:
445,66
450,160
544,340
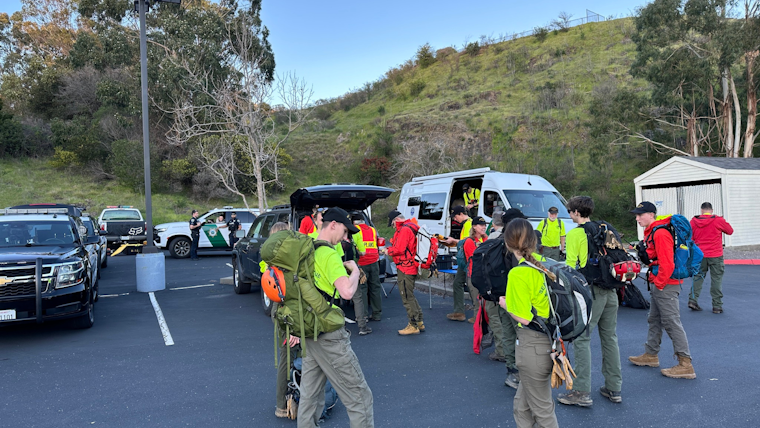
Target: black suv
45,269
246,257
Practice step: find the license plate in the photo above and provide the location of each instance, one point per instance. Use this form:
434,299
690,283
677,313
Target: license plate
126,238
7,314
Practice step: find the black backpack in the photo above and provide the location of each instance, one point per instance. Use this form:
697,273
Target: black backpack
631,297
490,264
604,250
571,300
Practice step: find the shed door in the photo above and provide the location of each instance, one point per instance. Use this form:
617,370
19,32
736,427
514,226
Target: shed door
664,198
694,196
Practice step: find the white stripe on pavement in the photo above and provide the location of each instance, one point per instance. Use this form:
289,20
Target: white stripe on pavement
114,295
161,321
228,264
191,286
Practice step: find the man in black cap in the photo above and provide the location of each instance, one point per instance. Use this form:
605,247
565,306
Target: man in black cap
195,233
552,235
471,197
664,313
331,356
403,249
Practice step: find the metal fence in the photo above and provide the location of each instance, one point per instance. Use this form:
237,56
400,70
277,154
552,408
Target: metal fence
591,16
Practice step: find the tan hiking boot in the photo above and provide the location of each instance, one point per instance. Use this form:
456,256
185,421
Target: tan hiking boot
645,359
409,329
281,413
471,320
456,316
684,369
421,326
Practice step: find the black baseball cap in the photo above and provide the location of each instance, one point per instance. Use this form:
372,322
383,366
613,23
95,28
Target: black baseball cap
465,186
194,211
357,217
478,220
458,210
510,215
341,216
391,215
553,210
644,207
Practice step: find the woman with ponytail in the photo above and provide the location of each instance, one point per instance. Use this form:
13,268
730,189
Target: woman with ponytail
526,298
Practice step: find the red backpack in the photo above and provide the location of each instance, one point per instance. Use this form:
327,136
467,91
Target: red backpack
427,247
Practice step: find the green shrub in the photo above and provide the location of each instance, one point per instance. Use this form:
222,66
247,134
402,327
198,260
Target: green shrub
425,57
416,87
472,49
64,158
381,110
541,33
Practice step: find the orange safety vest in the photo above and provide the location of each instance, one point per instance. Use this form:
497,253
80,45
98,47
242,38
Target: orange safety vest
369,238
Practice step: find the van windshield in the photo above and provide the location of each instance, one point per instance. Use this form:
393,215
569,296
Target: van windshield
536,203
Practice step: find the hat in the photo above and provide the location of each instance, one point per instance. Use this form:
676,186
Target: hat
391,215
510,215
465,186
194,211
458,210
341,216
644,207
234,213
478,220
357,217
553,210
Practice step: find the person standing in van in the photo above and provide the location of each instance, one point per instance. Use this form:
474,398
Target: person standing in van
471,198
552,235
459,215
403,248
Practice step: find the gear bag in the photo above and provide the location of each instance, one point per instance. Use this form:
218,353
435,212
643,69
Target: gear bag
570,302
609,265
687,256
293,395
630,296
490,264
304,312
427,247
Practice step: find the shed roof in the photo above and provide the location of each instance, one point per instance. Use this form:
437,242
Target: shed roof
729,163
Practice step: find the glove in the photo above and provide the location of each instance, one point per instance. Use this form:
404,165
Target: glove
558,376
568,371
362,277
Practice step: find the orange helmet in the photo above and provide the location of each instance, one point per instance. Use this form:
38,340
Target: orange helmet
273,284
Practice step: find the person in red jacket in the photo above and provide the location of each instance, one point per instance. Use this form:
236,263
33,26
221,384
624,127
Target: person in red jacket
310,223
403,249
664,313
708,230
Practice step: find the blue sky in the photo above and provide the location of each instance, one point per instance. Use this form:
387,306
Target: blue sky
339,45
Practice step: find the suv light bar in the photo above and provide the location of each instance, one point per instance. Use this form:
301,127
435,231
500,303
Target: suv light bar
34,211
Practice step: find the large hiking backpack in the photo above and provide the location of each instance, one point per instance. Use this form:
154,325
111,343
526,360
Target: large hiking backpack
304,312
609,265
570,302
687,256
427,247
490,264
630,296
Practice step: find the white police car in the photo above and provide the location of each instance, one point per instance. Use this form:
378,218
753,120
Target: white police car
176,236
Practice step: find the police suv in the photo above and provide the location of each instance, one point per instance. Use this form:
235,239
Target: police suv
176,236
46,272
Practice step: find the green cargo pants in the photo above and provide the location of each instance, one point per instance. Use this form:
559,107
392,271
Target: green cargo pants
665,314
406,289
374,290
331,357
604,310
533,404
504,332
716,267
460,279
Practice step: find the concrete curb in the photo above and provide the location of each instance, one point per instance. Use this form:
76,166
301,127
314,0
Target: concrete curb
742,262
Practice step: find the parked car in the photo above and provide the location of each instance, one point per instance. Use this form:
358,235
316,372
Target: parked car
122,224
65,284
246,255
101,248
176,236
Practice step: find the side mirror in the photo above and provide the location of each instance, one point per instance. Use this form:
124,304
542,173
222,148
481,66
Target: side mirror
92,240
240,233
102,232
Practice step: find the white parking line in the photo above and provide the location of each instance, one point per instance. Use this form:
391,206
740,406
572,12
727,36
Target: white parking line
191,286
161,321
228,264
114,295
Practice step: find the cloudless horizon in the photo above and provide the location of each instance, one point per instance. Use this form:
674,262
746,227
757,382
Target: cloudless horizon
339,46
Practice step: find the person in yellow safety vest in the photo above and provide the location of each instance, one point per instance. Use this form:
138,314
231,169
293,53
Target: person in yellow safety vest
552,235
366,244
471,198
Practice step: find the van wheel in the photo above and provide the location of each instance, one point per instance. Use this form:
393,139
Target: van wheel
179,248
266,303
241,286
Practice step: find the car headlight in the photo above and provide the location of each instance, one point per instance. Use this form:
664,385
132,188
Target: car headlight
69,275
161,229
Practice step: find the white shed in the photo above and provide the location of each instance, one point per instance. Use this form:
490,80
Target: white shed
732,185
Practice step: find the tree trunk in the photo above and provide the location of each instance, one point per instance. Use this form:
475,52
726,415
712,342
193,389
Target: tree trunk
691,134
738,118
728,131
749,134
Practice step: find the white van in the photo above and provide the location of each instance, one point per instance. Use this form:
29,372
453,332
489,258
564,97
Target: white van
430,199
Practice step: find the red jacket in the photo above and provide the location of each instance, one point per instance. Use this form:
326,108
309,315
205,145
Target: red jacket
404,247
307,225
469,249
708,233
660,251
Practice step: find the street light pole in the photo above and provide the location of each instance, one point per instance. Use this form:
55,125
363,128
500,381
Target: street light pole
149,246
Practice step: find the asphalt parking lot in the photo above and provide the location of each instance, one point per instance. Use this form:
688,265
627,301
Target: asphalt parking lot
220,370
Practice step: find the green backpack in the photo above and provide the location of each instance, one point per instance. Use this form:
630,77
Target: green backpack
304,312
